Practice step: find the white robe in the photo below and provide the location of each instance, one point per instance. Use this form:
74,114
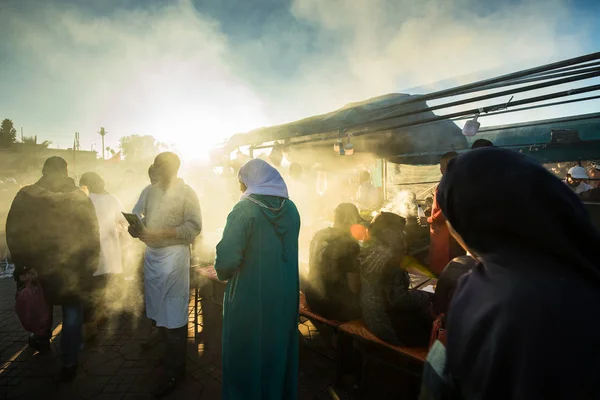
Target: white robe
167,266
111,223
167,285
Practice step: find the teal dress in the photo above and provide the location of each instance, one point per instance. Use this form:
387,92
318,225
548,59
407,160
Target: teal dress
258,255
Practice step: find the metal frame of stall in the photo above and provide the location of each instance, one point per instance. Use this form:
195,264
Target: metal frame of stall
583,69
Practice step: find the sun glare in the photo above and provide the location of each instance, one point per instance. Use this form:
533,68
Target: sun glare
194,135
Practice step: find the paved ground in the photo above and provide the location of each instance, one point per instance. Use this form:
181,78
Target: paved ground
114,367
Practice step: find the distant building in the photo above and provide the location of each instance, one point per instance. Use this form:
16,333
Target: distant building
24,161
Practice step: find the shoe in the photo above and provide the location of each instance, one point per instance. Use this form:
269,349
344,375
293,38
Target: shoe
167,386
152,341
41,346
68,374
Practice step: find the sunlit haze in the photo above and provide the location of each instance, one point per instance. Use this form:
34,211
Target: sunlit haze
194,73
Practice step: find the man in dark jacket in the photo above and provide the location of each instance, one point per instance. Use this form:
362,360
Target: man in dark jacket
52,232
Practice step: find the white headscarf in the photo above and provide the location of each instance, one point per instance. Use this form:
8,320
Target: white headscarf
261,178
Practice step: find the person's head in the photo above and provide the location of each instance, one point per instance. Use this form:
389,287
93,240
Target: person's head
486,196
152,175
446,159
295,171
93,182
345,215
166,166
259,177
388,229
480,143
576,176
55,167
365,176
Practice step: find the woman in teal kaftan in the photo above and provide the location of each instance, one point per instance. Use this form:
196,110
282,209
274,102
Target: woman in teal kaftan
258,256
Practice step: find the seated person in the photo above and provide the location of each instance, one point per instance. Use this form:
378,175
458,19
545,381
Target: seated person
332,286
393,312
448,281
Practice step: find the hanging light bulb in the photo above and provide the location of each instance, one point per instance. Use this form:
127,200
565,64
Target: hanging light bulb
471,127
349,147
338,147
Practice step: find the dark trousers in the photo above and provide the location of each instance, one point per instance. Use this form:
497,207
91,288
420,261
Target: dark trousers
175,346
71,335
175,351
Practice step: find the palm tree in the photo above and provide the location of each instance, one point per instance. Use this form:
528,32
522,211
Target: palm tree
103,133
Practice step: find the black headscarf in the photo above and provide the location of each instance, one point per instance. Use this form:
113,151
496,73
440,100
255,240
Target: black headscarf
503,203
523,323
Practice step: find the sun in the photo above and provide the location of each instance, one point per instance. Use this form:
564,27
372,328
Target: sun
194,135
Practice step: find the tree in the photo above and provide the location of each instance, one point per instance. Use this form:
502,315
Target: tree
102,133
32,153
8,133
138,148
31,142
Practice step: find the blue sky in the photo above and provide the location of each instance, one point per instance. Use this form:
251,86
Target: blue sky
193,72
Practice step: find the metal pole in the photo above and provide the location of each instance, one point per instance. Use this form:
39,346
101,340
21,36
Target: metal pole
485,109
508,77
484,97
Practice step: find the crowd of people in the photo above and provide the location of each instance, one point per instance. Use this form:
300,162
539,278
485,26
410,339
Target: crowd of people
70,238
512,300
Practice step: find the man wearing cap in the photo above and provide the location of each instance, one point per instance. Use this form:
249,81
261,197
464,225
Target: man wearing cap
575,179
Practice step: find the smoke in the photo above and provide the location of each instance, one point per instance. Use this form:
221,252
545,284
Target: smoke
404,203
181,72
192,74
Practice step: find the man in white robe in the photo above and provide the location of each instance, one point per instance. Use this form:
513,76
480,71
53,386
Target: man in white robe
172,220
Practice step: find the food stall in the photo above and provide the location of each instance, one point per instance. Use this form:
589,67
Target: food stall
400,137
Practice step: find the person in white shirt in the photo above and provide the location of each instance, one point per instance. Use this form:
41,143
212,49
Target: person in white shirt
112,225
576,178
367,197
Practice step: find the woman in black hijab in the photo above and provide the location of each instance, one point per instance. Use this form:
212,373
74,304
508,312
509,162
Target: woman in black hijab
524,323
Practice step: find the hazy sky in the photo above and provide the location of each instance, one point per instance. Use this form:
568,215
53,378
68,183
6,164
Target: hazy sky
193,72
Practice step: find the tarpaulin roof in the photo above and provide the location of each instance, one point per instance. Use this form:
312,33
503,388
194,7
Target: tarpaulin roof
534,138
443,135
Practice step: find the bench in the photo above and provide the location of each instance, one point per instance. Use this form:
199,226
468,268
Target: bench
305,312
409,360
359,330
